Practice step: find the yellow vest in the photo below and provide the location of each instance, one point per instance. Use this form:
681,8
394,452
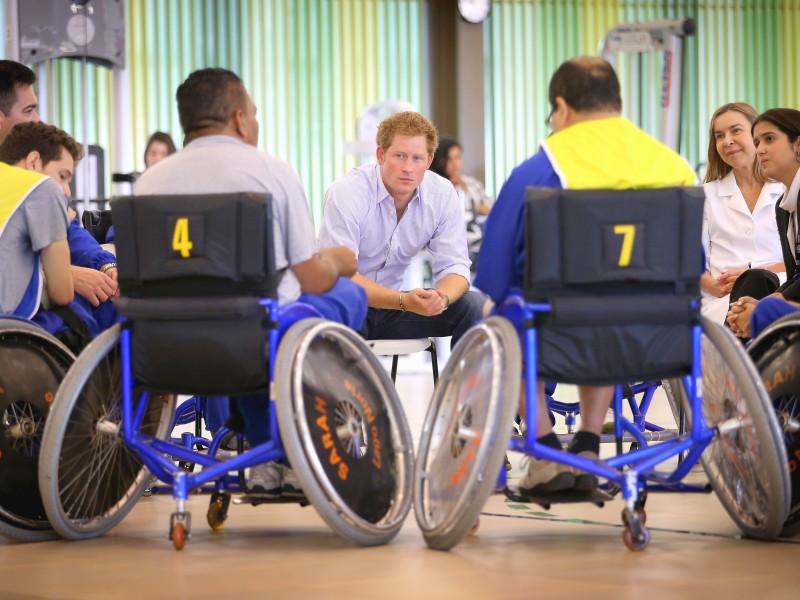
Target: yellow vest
614,154
15,185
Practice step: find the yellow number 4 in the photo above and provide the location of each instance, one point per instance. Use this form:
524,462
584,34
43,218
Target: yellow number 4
180,238
628,232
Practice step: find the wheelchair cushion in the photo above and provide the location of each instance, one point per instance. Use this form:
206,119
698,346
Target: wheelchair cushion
204,346
620,271
195,245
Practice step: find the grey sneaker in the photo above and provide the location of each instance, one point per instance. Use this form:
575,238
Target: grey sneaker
266,479
585,482
544,476
291,486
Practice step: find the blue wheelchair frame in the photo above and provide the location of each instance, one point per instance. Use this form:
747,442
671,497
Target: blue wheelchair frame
631,470
151,450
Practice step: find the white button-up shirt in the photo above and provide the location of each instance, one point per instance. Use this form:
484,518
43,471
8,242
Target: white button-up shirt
733,237
359,213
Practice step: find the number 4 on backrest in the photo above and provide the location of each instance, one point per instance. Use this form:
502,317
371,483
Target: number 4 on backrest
180,237
628,233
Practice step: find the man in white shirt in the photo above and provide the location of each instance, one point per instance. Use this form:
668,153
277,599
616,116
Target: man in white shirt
386,213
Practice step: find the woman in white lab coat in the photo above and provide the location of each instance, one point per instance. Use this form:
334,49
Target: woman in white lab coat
739,229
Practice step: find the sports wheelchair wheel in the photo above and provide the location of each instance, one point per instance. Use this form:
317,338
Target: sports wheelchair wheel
32,365
466,432
776,352
88,478
344,431
745,461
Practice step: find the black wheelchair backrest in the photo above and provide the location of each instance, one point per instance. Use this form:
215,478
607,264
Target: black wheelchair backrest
609,238
621,272
97,223
192,270
215,244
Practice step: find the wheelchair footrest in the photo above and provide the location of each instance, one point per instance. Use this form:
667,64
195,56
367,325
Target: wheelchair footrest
596,497
256,499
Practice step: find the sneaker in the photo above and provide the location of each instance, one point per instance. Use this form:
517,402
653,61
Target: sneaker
544,476
291,485
585,482
266,479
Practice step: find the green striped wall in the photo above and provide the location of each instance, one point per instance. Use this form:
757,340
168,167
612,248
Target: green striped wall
744,50
310,65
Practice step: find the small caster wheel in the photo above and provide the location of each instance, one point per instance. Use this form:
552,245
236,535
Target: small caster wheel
178,535
218,510
641,515
474,529
635,541
180,529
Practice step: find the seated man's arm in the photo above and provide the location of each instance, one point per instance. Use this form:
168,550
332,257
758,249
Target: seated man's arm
319,273
55,263
448,249
420,301
93,285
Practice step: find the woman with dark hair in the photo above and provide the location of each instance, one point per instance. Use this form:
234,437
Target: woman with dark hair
739,216
776,134
447,162
159,147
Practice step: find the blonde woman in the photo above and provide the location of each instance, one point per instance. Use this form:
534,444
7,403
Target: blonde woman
739,229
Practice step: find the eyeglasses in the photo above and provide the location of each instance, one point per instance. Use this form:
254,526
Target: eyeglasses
549,121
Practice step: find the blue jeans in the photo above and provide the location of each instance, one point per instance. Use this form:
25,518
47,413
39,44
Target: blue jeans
404,325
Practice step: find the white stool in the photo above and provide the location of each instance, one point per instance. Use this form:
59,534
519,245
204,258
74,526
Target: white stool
395,348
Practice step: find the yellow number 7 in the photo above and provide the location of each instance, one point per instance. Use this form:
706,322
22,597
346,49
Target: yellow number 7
180,238
628,232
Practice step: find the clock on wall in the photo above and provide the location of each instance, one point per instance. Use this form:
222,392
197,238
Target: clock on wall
474,11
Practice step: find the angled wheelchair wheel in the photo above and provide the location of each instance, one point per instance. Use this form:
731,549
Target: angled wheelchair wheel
745,461
466,432
344,431
88,478
776,353
32,366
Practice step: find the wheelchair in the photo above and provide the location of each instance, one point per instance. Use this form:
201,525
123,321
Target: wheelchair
32,365
199,290
776,353
609,297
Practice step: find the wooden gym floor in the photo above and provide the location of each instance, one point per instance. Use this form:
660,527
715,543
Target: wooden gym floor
520,551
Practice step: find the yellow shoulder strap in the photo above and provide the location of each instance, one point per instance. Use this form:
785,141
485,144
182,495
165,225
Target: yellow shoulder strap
15,185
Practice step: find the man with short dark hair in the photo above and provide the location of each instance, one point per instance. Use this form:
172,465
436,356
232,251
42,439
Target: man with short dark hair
218,118
33,222
18,102
591,147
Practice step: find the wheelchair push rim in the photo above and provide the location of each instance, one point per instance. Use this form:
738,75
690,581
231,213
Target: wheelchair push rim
744,461
344,431
88,478
32,365
466,432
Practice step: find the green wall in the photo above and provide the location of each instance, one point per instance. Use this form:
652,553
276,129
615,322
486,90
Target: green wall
743,50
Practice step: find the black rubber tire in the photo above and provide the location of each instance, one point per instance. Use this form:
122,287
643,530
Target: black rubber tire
32,365
344,431
88,478
466,432
776,353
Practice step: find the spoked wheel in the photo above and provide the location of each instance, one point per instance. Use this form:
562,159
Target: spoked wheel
466,432
776,353
344,431
32,365
89,479
745,461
